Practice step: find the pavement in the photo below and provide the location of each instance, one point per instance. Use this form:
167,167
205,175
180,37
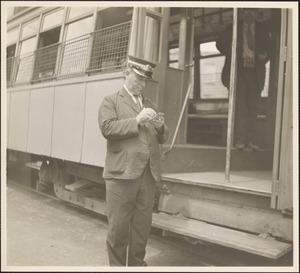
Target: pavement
45,234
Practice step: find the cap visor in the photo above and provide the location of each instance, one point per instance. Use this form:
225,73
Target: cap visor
141,74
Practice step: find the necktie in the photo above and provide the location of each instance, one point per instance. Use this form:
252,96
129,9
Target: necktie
250,39
138,102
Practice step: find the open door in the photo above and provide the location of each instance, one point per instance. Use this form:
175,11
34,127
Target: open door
282,187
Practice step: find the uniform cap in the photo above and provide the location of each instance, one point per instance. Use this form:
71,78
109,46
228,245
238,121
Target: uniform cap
141,67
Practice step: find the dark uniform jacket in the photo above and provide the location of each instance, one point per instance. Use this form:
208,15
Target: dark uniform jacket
262,44
129,145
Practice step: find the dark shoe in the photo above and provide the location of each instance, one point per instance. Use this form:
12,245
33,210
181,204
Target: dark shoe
240,146
252,147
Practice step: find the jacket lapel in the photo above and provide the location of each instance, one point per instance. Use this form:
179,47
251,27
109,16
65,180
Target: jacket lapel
128,100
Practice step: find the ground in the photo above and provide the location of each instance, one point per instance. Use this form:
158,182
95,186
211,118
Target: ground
44,232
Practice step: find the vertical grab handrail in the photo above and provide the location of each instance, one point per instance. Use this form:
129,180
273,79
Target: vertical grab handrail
232,97
178,123
189,88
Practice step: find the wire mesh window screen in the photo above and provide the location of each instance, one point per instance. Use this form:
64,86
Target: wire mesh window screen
103,49
9,69
110,47
212,88
24,68
75,56
45,62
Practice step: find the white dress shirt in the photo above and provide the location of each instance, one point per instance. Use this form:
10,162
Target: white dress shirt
139,101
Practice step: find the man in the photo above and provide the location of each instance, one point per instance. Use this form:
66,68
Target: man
134,129
253,51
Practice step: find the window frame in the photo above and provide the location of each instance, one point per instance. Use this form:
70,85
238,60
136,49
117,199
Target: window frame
38,19
202,57
79,17
17,38
139,32
54,26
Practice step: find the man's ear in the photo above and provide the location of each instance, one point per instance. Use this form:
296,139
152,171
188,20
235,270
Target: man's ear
126,72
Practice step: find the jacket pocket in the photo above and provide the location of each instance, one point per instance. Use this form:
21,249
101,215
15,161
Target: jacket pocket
113,146
116,162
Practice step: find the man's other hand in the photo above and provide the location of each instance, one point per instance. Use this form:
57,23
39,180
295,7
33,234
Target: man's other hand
145,115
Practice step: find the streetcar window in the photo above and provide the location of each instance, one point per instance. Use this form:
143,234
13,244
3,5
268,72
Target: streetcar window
10,51
12,36
76,47
211,65
28,46
45,57
173,57
155,9
113,16
79,11
53,19
152,38
29,29
79,28
208,49
111,39
10,59
26,60
49,37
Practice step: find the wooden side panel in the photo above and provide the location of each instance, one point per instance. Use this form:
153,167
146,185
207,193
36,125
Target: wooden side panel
282,190
18,126
237,210
285,197
40,121
94,144
68,121
7,116
229,215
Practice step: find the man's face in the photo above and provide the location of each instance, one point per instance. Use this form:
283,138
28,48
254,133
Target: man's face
135,83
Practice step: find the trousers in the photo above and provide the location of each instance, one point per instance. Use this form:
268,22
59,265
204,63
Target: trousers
247,105
129,205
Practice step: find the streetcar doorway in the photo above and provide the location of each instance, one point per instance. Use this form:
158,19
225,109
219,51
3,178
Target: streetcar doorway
207,114
200,137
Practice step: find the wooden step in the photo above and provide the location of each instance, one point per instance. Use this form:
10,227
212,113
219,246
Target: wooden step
250,182
77,185
254,244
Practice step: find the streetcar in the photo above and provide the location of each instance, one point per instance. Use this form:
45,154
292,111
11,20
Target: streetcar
62,61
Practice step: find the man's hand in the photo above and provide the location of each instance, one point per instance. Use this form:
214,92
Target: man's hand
158,120
145,115
262,56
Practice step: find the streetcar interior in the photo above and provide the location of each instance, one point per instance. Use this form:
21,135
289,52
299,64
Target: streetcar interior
208,101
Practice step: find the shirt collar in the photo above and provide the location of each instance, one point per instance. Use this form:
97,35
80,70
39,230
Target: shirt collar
125,87
131,95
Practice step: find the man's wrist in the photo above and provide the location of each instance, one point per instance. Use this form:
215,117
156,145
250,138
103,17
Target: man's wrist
138,120
160,130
